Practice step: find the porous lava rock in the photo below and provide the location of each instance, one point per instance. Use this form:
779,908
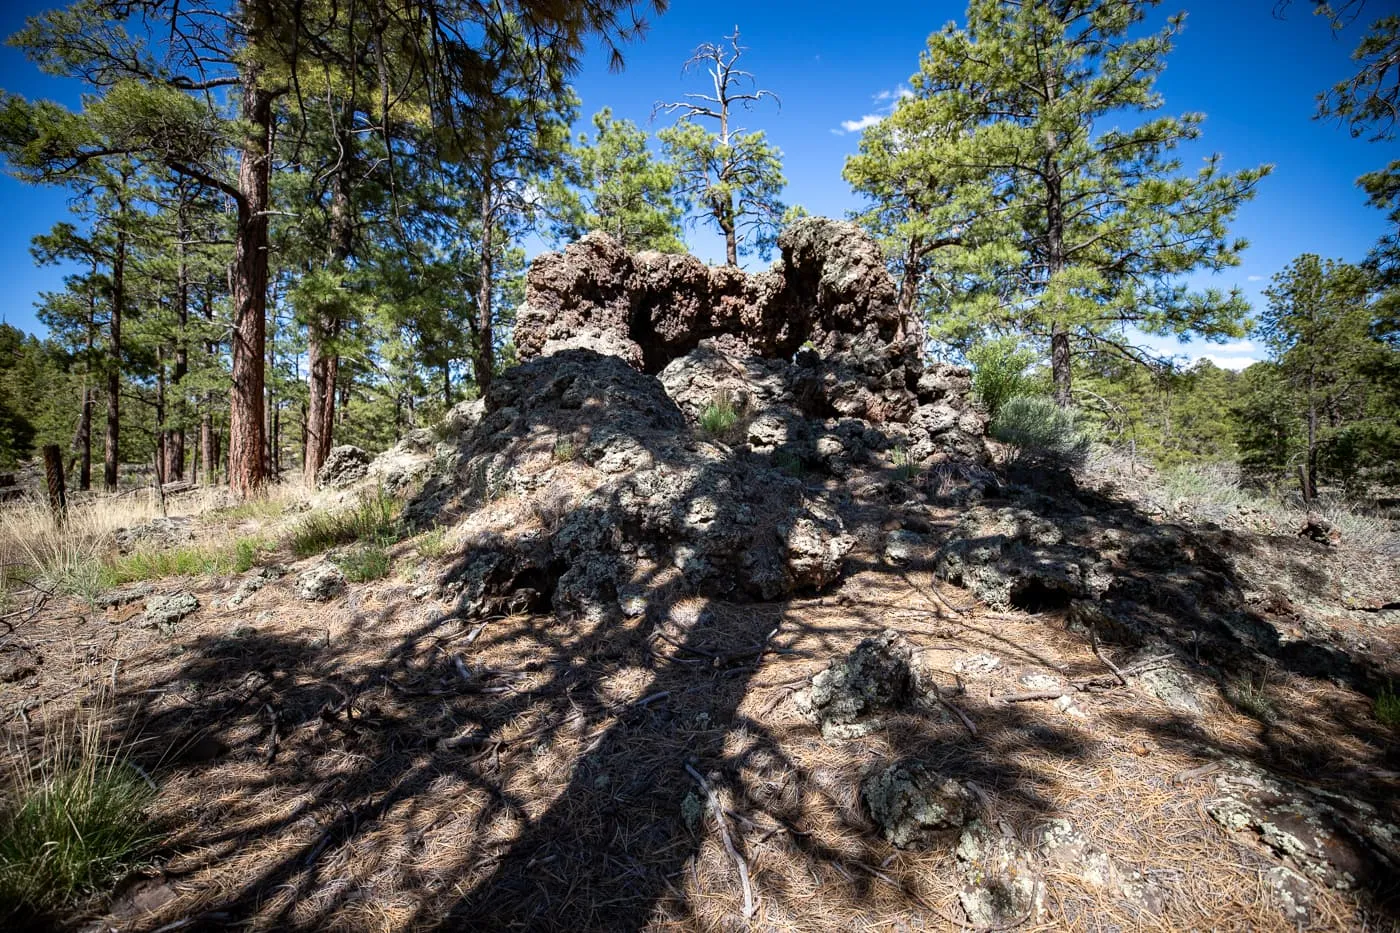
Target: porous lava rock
165,610
912,804
344,465
320,582
847,697
618,487
812,353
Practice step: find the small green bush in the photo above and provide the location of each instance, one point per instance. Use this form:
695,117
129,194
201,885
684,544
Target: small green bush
245,554
1038,429
364,563
1252,698
790,463
373,519
69,826
564,450
999,372
718,417
433,544
904,467
1388,706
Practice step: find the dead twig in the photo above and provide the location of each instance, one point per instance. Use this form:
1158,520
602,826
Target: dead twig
718,810
1094,643
966,720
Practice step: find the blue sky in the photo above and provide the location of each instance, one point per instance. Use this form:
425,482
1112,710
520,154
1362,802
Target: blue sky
1254,76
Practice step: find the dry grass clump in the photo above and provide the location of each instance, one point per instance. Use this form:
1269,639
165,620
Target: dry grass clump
72,818
78,559
1214,492
372,519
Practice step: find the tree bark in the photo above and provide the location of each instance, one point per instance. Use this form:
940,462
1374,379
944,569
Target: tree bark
247,430
323,359
111,459
1060,366
909,292
175,437
207,455
82,438
484,353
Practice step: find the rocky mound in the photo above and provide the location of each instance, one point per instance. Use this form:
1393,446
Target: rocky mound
587,488
587,470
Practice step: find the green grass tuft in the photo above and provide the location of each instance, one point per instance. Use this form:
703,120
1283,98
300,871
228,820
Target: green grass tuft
363,563
564,450
373,519
1388,706
905,468
69,825
718,417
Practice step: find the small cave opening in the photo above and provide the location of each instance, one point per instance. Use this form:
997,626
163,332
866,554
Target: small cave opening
1035,597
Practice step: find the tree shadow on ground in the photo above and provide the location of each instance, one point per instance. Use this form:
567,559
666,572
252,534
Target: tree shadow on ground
546,786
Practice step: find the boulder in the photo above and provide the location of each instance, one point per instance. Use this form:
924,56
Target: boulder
846,697
157,533
637,491
344,466
914,806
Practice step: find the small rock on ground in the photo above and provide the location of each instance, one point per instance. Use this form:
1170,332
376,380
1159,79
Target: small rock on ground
166,610
320,583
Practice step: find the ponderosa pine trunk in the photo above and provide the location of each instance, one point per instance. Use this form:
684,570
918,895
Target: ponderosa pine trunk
111,459
175,436
247,429
484,353
82,437
323,358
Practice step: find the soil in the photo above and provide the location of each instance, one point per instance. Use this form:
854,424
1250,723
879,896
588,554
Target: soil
377,762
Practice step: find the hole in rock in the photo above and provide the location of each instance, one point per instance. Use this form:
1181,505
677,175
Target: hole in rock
1034,596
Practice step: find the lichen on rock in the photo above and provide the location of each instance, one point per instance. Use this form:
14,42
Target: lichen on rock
847,698
914,805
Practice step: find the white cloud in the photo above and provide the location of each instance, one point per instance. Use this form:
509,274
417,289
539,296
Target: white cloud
1229,362
889,98
1254,278
865,122
1236,347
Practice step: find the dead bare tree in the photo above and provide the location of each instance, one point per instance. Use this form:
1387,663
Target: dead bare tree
735,174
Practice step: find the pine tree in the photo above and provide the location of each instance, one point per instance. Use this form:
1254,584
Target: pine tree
614,184
1071,234
1317,327
734,175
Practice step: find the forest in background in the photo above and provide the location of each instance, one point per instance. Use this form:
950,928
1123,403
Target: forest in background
303,224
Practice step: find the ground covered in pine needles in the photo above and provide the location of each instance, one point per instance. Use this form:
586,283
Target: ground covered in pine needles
374,762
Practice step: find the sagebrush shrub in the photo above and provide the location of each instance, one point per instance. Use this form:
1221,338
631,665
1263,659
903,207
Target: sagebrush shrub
1035,428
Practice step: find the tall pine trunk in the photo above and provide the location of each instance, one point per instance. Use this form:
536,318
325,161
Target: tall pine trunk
322,355
484,353
909,292
248,285
1060,357
111,459
175,436
323,359
82,438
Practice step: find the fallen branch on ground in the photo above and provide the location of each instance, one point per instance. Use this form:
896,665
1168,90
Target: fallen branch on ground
724,836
